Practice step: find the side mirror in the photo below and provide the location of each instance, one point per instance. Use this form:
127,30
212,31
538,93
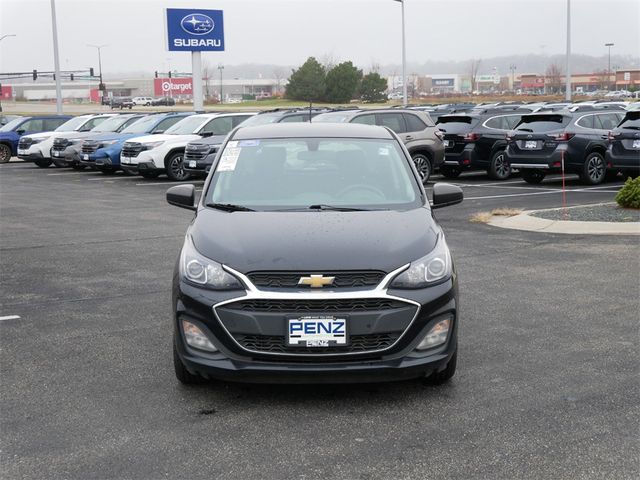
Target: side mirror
182,196
206,134
445,195
156,132
20,131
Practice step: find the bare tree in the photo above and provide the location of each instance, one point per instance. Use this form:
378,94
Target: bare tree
473,72
328,61
553,78
279,73
207,72
603,79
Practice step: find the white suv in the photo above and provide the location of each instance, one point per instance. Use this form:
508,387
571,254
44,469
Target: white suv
36,147
146,101
152,155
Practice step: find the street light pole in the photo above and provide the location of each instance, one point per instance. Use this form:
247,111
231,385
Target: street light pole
7,35
609,45
99,48
512,67
567,88
221,67
404,59
56,59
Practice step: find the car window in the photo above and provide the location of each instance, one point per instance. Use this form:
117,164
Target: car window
166,123
369,119
542,123
414,124
632,122
606,121
92,123
586,121
512,121
52,123
11,125
238,119
219,126
33,125
394,121
128,123
295,118
71,124
498,123
272,174
456,123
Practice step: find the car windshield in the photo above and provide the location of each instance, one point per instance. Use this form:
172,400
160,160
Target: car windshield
112,124
72,124
338,117
542,123
303,173
12,124
631,121
142,126
187,126
262,119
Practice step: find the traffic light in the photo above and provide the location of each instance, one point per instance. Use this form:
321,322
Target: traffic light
35,75
91,71
72,77
156,73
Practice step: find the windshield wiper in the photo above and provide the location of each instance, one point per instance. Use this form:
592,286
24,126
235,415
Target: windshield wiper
230,207
322,206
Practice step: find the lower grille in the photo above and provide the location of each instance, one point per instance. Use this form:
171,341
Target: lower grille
323,306
131,149
357,343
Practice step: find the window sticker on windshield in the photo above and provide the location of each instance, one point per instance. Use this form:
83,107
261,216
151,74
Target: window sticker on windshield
249,143
383,151
229,157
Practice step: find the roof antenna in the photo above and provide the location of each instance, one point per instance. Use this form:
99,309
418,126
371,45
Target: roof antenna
310,103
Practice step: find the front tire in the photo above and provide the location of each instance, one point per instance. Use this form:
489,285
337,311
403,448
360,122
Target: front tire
438,378
77,166
43,162
594,169
60,163
5,153
534,177
450,172
499,168
182,374
423,165
175,167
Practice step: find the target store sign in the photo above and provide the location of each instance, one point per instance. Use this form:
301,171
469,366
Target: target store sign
172,87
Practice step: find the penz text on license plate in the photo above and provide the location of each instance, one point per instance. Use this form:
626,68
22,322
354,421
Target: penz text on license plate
636,144
531,144
316,331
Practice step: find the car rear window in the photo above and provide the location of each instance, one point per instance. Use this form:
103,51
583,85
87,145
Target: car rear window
456,123
542,123
632,120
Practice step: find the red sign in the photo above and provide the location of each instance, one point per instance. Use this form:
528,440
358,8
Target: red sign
172,87
6,93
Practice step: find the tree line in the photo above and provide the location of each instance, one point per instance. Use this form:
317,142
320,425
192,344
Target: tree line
313,82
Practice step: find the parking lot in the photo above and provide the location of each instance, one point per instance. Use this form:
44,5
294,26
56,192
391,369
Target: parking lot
547,375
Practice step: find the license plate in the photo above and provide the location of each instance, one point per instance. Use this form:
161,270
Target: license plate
446,143
192,164
85,157
317,331
55,153
22,152
531,144
636,144
125,160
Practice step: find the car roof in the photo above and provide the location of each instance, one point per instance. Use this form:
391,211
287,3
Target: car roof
307,129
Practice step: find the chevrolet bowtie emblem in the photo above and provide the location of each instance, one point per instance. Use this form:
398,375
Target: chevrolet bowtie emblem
316,281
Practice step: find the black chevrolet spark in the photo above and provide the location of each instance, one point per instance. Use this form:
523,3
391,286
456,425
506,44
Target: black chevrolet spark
314,257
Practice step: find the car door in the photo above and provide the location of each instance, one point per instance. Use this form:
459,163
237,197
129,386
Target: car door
33,125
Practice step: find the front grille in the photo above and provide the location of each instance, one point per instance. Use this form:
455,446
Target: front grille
24,143
60,144
348,279
131,149
323,306
277,344
90,146
198,151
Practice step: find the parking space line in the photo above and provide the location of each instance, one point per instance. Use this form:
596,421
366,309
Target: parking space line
505,186
168,183
66,173
10,317
547,192
106,177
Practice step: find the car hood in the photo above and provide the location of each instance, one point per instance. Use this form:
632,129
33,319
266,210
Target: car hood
41,135
165,138
72,134
106,136
213,140
314,241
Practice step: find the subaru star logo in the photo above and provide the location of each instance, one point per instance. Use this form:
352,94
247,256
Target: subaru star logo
197,24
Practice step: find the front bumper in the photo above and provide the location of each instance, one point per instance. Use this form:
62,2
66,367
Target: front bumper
234,361
142,167
31,156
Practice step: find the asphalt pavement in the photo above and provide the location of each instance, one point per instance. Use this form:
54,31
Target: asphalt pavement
547,382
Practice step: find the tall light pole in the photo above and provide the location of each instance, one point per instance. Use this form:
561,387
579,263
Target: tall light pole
7,35
512,67
101,85
609,45
404,59
221,67
56,58
567,88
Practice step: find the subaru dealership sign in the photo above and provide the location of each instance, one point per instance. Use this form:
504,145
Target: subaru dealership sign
195,30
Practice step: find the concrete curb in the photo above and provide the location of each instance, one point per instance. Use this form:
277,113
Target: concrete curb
524,221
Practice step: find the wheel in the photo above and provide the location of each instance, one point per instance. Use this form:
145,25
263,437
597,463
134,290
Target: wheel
594,169
59,163
438,378
423,164
450,172
5,153
43,162
175,167
499,168
182,374
128,174
148,104
77,166
532,176
149,174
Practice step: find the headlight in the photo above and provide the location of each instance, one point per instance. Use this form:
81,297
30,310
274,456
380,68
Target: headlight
432,268
107,143
149,146
37,140
200,270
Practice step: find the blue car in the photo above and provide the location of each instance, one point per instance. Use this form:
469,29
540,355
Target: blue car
11,132
103,151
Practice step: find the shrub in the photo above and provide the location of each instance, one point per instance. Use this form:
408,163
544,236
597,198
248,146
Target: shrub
629,194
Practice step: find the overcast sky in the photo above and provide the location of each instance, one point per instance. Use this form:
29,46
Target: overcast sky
288,31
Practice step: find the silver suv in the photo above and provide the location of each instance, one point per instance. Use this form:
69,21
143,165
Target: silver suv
415,128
